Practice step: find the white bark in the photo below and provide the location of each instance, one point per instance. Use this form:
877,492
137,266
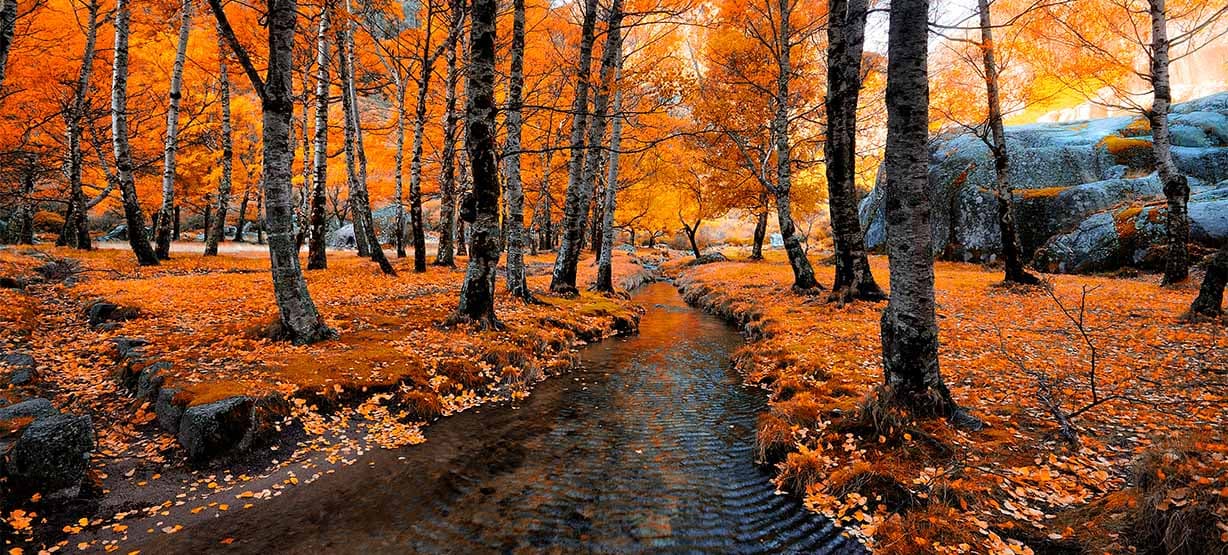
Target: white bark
166,220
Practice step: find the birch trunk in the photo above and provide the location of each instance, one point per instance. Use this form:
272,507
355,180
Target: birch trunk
517,284
1012,257
20,228
399,160
1176,186
575,207
446,249
247,195
8,24
845,41
133,217
216,233
300,320
364,224
303,207
76,227
803,273
909,327
1210,300
162,235
477,297
756,250
545,229
605,261
317,259
351,162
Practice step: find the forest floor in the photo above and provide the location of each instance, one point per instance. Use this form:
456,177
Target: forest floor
1148,468
393,369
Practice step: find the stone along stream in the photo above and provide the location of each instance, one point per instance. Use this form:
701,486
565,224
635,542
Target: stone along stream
646,448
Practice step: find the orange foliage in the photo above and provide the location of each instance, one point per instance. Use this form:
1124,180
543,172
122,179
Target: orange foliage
920,486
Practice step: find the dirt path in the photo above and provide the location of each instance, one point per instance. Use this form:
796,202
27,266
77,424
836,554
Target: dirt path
648,448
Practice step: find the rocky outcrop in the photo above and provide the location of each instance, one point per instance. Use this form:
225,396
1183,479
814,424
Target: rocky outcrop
385,228
1087,198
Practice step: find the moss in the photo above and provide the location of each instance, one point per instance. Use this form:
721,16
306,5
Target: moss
1045,192
208,392
1126,222
1128,151
1140,127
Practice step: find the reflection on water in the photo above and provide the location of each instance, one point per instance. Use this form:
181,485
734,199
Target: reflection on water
649,448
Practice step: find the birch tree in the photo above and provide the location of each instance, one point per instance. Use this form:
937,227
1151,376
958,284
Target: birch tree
1012,257
162,235
909,325
76,225
133,216
355,150
517,284
446,249
301,321
846,29
477,296
609,204
216,232
575,207
317,258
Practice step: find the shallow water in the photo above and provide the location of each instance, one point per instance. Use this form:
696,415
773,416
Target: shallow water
646,448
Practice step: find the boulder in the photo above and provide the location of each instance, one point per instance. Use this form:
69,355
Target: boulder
101,312
342,238
51,456
1132,235
168,410
149,381
128,347
208,430
30,408
1072,182
20,367
708,258
232,424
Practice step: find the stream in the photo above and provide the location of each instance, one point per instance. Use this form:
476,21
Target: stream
648,447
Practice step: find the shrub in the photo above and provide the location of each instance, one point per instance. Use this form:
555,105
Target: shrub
46,221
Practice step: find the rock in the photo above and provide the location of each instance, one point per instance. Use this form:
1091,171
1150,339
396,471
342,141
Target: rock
342,238
31,408
168,411
268,412
208,430
52,455
21,368
100,312
149,381
708,258
232,424
1132,235
128,347
1070,180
